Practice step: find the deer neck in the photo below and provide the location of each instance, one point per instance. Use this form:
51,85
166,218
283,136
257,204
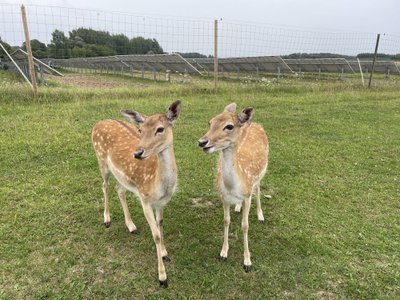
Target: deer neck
228,166
167,165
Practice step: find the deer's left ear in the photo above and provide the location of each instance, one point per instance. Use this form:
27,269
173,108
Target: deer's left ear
245,115
173,111
230,107
133,116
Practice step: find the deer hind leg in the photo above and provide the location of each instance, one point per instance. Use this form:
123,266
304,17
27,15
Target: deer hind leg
105,173
227,220
121,191
260,215
159,220
245,228
148,213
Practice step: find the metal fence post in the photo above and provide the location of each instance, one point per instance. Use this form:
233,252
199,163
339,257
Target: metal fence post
373,62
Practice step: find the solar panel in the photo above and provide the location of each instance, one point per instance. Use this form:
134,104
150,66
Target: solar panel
87,62
269,64
159,63
21,58
145,62
381,67
329,65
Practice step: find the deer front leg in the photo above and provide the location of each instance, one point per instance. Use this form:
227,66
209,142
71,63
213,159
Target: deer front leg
245,228
159,220
260,215
148,213
227,219
121,191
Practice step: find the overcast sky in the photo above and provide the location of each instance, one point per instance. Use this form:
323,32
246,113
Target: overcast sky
349,15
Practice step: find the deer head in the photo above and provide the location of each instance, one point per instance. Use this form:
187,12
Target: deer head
155,131
225,129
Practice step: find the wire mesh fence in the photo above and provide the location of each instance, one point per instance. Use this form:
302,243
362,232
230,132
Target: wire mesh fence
70,38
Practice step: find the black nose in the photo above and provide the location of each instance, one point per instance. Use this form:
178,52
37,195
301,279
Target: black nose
138,153
202,143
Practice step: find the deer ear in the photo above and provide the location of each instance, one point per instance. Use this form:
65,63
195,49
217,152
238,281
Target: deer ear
133,116
173,111
230,107
245,115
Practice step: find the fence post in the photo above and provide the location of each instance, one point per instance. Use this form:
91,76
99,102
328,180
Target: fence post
361,72
373,62
29,51
215,54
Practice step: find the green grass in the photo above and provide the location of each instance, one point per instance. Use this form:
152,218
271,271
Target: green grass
332,226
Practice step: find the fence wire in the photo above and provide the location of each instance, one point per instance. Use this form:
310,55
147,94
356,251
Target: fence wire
61,32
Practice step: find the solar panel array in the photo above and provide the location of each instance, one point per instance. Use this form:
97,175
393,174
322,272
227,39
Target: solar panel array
268,64
20,57
328,65
153,63
381,67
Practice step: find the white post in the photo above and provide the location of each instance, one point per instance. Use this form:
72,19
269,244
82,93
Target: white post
361,72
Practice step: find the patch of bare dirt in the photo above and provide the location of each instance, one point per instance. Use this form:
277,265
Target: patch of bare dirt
201,202
93,81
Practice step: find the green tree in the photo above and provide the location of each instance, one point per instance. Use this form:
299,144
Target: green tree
92,37
8,48
140,45
39,49
121,44
59,46
192,55
87,42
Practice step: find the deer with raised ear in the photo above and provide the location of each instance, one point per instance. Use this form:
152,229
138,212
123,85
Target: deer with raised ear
242,164
142,161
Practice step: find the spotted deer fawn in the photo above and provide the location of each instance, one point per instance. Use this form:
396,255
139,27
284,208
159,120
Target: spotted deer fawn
142,161
242,164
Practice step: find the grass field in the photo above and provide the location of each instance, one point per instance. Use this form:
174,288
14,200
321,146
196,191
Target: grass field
332,227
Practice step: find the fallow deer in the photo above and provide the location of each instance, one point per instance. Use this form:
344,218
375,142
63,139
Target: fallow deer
142,161
242,164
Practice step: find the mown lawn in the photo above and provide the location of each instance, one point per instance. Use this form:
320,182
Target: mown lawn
332,227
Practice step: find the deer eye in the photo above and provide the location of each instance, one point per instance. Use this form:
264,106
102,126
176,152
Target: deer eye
160,130
140,130
228,127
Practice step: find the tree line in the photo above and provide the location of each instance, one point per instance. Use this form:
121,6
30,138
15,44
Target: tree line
87,42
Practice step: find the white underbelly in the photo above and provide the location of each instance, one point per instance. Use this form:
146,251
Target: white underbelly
121,178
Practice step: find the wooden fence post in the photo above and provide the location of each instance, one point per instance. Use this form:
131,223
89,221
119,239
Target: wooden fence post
215,54
29,51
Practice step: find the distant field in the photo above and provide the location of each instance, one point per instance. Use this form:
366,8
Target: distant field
332,227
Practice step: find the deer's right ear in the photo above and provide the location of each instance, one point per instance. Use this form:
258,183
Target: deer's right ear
173,111
245,115
230,107
133,116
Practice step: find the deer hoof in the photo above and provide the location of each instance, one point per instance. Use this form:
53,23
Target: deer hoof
247,268
107,224
262,221
166,258
222,258
135,232
164,283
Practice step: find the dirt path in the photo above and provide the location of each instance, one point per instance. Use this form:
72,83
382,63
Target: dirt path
93,81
